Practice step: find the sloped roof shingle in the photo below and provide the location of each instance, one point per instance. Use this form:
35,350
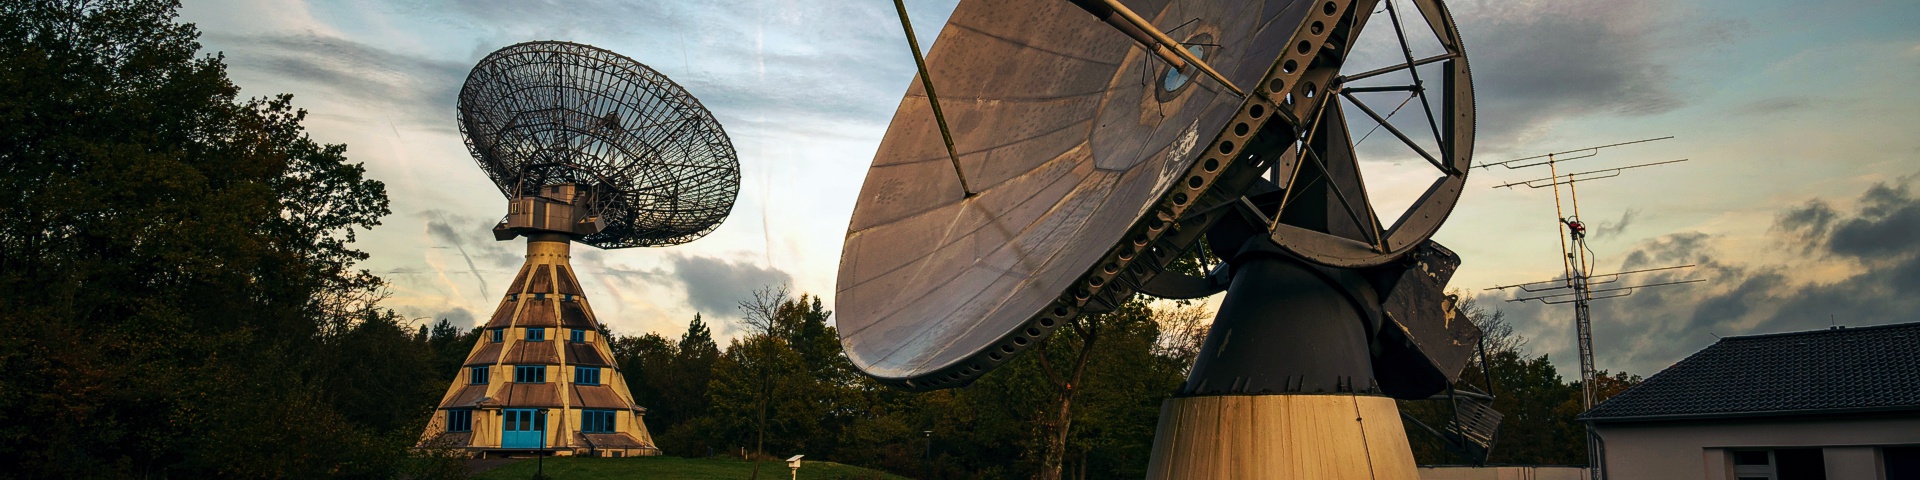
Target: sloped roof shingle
1862,369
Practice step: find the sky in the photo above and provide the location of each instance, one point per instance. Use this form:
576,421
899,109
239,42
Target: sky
1799,201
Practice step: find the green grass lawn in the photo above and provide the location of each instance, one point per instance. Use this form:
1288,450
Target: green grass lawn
675,468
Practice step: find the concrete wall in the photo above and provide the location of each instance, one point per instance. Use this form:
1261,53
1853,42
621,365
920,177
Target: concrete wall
1698,450
1503,473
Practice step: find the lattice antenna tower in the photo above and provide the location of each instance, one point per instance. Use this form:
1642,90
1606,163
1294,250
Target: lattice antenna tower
1577,281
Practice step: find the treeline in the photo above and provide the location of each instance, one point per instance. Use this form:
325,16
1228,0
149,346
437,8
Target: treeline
176,277
784,388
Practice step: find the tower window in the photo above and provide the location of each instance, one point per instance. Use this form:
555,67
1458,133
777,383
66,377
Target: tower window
530,374
596,421
579,335
535,334
477,375
460,420
499,335
586,375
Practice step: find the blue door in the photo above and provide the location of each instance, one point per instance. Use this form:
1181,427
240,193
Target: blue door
523,428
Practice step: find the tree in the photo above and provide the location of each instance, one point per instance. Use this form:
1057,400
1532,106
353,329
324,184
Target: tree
177,269
811,407
449,347
693,359
686,397
1183,329
646,363
760,358
1008,424
670,378
1119,404
745,380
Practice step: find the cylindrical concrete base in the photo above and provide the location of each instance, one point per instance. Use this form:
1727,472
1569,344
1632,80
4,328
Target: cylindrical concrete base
1321,437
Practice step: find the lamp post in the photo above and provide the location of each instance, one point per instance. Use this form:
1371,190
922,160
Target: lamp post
540,463
928,464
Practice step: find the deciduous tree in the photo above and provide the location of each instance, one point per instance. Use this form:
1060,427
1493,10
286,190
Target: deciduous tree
176,267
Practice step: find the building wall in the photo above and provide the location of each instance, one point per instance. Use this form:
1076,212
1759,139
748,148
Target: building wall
563,420
1698,450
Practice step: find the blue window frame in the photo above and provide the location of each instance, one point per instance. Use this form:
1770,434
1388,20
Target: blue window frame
586,375
536,334
596,421
477,375
579,335
499,335
530,374
460,420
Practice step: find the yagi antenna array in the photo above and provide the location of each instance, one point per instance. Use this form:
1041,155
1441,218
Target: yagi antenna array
1581,176
1576,284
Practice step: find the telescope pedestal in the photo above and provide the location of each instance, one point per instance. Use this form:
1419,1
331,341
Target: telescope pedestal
1283,387
1293,436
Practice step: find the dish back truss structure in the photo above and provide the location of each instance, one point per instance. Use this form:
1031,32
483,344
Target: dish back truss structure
651,163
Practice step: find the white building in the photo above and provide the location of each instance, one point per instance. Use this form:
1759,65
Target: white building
1836,404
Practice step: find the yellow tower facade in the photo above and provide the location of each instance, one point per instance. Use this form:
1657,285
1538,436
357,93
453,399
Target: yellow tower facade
542,376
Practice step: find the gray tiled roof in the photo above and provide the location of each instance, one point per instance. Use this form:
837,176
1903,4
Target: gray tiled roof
1821,371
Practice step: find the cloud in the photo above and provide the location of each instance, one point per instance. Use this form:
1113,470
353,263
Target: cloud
480,259
473,238
778,63
1604,230
438,228
1886,226
1871,238
716,287
461,318
1806,225
1535,63
413,90
1679,248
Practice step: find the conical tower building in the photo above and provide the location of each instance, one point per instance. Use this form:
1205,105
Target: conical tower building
588,146
542,375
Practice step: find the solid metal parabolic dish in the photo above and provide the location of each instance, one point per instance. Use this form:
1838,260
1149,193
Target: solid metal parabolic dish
660,168
1093,166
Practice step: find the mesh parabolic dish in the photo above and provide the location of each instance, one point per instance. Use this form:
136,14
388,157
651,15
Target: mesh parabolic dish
1086,158
549,113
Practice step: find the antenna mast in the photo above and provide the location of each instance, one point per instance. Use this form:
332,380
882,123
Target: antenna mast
1576,284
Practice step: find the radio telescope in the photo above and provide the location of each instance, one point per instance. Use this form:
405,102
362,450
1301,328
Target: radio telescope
587,146
1077,149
